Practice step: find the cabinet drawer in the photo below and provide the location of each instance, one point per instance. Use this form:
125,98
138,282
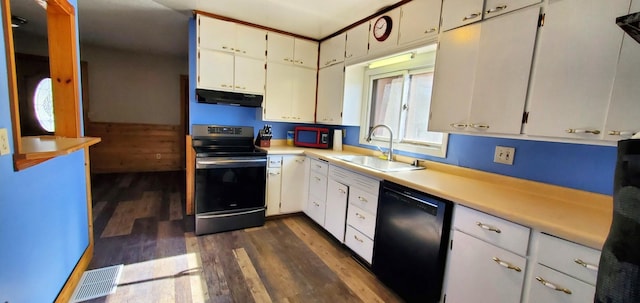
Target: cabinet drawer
570,258
361,220
359,243
364,200
316,210
319,166
502,233
274,161
580,291
318,185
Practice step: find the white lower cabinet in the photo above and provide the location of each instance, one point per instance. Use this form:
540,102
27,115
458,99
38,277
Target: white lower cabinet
286,184
316,203
335,219
360,243
481,272
553,286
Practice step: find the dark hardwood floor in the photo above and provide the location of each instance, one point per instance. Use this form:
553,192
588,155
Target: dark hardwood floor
139,221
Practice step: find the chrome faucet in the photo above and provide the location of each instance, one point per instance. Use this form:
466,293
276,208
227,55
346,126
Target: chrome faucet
390,154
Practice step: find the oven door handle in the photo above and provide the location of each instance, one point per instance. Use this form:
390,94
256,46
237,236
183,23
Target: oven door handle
229,214
231,163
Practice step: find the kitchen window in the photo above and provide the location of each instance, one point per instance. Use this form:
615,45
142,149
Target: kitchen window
399,96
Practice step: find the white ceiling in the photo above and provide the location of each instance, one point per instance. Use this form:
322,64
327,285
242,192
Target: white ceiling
161,26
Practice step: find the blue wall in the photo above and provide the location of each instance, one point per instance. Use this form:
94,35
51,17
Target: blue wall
584,167
43,219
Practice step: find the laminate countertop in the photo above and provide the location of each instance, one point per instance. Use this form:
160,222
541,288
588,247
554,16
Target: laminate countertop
575,215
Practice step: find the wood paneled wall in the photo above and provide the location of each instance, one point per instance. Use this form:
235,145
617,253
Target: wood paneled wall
128,147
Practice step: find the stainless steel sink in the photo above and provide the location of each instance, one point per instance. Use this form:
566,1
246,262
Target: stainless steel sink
376,163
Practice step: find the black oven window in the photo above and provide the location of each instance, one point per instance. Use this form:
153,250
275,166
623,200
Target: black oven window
222,189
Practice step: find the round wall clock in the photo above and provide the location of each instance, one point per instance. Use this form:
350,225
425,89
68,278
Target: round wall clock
382,28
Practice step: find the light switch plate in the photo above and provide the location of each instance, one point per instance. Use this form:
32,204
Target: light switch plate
504,155
4,142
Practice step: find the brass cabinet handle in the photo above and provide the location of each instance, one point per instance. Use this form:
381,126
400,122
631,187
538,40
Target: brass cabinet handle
621,133
431,30
274,174
480,126
488,227
362,199
458,125
496,9
342,191
586,265
317,179
316,204
582,131
553,286
358,239
300,160
360,216
506,264
471,16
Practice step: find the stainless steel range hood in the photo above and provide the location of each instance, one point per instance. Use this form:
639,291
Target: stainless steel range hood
228,98
631,25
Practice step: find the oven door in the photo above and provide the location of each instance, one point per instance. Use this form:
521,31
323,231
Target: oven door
230,184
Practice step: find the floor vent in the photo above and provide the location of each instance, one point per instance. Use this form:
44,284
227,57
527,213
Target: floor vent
97,283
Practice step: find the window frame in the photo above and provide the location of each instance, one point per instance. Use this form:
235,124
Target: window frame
424,62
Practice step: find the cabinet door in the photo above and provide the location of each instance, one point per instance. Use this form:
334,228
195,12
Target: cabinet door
304,94
305,53
274,183
216,34
457,13
419,19
502,72
250,41
335,214
330,92
453,80
357,44
332,50
279,48
215,69
577,55
316,209
493,8
277,103
249,74
539,292
475,274
392,40
622,119
294,189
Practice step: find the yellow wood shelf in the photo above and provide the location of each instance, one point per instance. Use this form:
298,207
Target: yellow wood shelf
43,147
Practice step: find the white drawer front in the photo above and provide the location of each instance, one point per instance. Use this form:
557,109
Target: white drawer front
570,258
580,292
499,232
274,161
316,210
361,220
359,243
321,167
364,200
318,185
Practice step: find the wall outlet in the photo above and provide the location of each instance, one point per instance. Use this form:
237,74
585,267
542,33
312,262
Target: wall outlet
4,142
504,155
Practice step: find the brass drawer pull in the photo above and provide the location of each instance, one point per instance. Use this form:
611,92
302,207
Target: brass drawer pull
362,199
360,216
586,265
582,131
496,9
506,264
553,286
471,16
358,239
488,227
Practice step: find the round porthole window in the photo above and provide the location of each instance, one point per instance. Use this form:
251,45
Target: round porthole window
43,104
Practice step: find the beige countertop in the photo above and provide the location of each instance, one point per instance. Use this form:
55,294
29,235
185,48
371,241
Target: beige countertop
575,215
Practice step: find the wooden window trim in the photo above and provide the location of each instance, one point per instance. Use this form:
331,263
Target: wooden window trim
63,65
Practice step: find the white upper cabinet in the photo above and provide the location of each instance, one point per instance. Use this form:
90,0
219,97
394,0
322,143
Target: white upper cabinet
332,50
573,74
215,69
457,13
419,19
227,36
482,75
384,31
624,109
357,44
330,95
287,49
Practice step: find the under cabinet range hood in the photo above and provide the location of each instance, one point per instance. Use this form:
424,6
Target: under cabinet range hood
228,98
631,25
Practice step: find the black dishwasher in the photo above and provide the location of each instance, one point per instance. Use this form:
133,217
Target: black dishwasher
411,239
